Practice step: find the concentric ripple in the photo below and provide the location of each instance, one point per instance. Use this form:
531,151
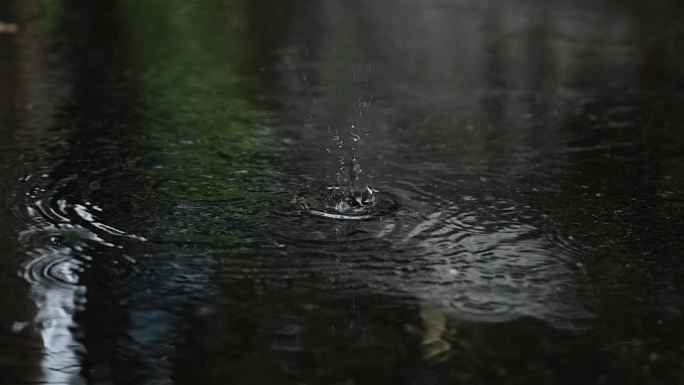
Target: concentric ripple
316,218
53,269
331,202
489,257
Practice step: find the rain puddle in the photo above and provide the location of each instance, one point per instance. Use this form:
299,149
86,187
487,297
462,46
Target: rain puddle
385,192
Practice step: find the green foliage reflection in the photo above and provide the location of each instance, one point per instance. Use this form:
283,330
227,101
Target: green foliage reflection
194,61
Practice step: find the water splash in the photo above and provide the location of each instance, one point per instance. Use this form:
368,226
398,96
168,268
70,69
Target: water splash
350,194
350,198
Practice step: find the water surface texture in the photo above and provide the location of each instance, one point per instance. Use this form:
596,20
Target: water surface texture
341,192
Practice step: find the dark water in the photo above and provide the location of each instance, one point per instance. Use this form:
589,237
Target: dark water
160,162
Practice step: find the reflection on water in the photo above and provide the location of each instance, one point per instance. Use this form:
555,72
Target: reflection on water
521,226
57,296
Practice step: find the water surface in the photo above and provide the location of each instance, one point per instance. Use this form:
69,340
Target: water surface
162,167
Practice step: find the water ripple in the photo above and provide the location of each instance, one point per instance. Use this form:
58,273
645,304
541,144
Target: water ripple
480,258
53,269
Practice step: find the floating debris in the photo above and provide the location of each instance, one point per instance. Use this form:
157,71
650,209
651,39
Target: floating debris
8,27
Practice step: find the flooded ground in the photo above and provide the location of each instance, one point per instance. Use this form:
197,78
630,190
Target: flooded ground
165,169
